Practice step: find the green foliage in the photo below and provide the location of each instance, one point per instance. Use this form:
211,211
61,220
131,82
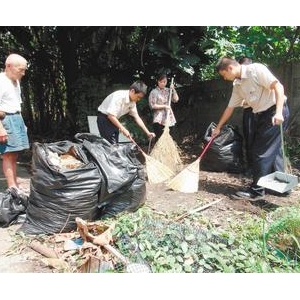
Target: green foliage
171,247
275,45
292,148
284,232
71,68
173,49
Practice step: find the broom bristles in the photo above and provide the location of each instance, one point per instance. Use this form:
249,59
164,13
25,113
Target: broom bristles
166,151
187,180
156,171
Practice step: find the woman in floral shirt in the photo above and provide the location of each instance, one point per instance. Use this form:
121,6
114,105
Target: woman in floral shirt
159,103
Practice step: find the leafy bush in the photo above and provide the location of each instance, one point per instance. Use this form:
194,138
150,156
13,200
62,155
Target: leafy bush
168,246
283,233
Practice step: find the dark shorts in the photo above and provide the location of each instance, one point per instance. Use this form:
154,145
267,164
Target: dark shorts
17,134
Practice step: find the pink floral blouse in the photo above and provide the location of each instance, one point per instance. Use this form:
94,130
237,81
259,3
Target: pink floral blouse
161,97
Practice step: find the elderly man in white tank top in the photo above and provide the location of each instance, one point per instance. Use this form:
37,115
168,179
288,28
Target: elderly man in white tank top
13,132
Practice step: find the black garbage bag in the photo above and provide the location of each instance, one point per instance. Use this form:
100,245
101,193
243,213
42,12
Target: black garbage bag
59,195
117,162
226,152
12,204
129,197
124,184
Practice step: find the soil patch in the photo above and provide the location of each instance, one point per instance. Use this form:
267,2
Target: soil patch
161,200
213,186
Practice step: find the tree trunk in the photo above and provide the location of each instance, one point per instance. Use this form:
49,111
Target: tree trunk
67,44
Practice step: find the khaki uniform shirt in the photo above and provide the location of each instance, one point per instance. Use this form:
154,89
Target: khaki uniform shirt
254,88
118,104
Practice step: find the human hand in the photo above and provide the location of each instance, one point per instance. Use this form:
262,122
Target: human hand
167,106
3,136
126,132
3,139
2,115
151,135
277,119
172,87
215,132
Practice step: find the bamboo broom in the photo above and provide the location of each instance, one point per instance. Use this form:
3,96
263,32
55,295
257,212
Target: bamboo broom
166,150
156,171
188,179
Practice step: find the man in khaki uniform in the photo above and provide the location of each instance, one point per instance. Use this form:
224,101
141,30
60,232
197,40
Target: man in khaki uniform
263,92
248,124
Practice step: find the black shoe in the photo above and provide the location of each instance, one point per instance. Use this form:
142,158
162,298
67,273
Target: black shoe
274,193
248,195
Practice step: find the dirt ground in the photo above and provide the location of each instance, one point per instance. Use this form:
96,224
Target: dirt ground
15,258
214,186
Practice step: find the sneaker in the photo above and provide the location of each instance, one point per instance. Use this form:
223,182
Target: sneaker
274,193
248,195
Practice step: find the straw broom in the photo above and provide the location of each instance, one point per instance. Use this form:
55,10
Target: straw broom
166,150
188,179
156,171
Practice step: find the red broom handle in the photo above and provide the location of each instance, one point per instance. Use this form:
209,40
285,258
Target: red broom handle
206,148
136,145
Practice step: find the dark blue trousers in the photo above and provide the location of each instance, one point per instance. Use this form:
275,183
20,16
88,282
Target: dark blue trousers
267,153
248,131
107,129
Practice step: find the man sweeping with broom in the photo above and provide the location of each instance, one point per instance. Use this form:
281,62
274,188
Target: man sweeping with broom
121,103
116,105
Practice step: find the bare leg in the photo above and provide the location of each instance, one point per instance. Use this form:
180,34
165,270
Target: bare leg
10,168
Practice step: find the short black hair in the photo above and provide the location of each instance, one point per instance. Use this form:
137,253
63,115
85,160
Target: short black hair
161,76
245,60
139,87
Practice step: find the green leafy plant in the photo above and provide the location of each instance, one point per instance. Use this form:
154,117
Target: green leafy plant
284,232
168,246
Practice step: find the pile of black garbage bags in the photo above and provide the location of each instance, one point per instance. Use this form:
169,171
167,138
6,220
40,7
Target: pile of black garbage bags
225,154
109,179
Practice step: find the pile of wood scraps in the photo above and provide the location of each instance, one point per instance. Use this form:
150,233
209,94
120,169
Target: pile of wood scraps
88,250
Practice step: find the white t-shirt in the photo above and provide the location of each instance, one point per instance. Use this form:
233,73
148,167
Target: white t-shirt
10,95
118,104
